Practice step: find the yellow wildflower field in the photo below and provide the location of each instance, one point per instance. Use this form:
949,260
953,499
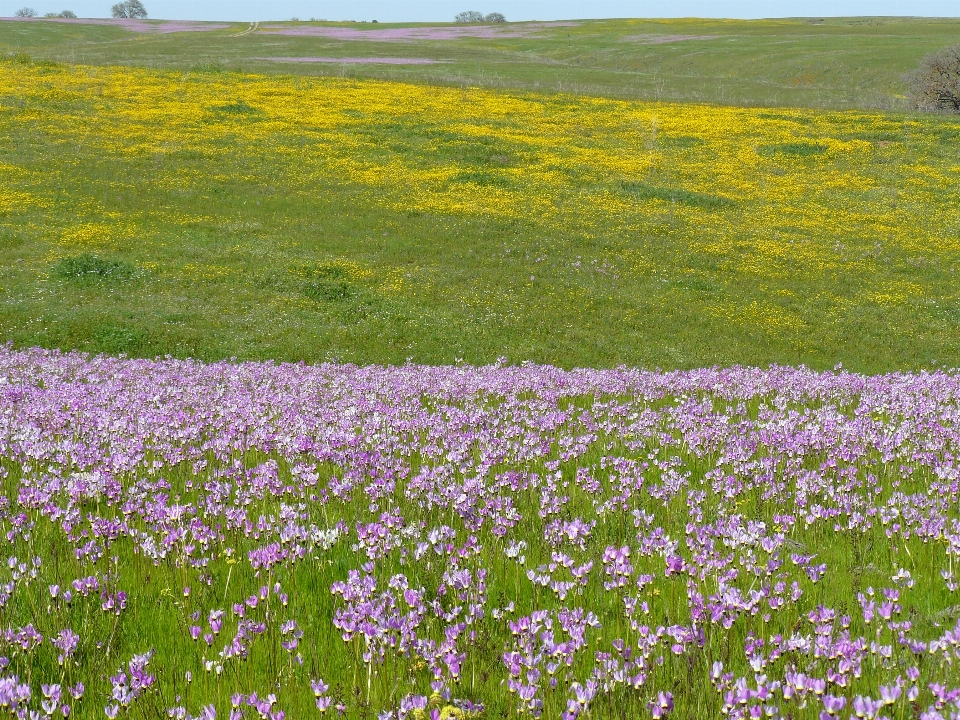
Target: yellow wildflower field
778,222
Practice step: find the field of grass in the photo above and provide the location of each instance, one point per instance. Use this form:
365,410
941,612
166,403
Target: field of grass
219,214
463,530
830,63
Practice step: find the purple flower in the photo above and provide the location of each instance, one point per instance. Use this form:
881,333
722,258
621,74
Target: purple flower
66,642
663,705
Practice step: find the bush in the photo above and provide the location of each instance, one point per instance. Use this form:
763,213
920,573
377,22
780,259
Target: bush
25,12
470,16
88,267
236,108
495,18
797,149
64,14
935,85
131,9
328,283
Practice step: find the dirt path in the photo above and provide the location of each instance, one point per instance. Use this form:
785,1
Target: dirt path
252,29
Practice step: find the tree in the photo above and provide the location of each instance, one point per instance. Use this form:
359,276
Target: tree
64,14
132,9
26,12
470,16
935,85
495,18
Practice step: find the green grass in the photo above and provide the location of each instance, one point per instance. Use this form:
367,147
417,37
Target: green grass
829,63
86,268
221,248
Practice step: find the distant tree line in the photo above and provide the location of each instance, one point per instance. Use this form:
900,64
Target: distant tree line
29,12
126,9
472,16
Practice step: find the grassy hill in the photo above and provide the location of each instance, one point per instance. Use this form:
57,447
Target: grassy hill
828,63
184,207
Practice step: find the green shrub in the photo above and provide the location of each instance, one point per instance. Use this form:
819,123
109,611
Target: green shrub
236,108
797,149
643,191
482,177
87,268
329,283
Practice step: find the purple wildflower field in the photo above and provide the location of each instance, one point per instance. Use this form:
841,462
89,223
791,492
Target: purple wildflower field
254,540
442,32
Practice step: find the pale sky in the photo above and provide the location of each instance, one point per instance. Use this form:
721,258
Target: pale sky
444,10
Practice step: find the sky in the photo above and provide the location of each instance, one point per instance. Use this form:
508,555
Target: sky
443,10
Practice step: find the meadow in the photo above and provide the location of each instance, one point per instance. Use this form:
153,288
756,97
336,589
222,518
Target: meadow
828,63
582,370
216,214
290,541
